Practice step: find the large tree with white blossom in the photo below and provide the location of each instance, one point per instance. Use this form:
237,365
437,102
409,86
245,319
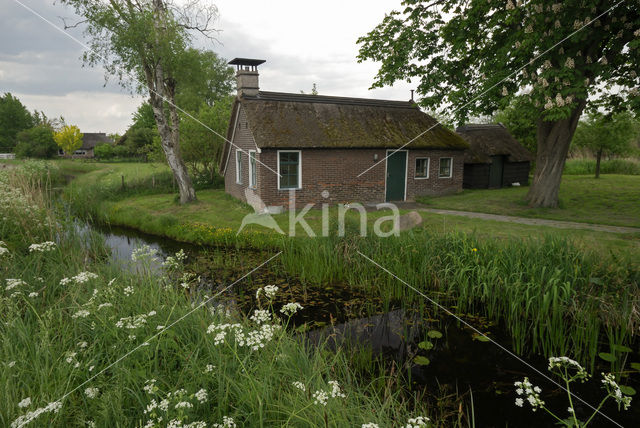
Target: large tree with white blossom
474,56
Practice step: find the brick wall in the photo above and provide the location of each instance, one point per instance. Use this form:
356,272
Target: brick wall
243,139
336,171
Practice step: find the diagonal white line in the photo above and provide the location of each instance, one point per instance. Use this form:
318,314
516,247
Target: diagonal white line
496,84
488,338
146,342
135,79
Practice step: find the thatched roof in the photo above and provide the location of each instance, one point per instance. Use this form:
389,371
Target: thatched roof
491,140
282,120
92,139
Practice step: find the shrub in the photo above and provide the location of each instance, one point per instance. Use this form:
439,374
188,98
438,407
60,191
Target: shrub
36,142
611,166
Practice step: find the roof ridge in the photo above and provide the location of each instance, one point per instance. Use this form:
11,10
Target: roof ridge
328,99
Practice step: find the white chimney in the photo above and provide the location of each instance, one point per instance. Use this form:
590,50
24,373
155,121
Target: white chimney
247,76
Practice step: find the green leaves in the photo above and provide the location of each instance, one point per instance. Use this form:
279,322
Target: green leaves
607,356
420,360
434,334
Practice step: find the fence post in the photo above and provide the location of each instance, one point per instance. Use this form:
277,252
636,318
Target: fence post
122,176
153,181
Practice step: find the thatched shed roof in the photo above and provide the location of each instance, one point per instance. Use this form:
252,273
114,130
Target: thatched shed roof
283,120
92,139
491,140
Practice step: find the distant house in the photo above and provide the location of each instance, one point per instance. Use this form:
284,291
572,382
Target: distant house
495,158
89,141
321,146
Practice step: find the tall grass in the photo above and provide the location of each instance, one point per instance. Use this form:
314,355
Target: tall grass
65,332
607,166
551,298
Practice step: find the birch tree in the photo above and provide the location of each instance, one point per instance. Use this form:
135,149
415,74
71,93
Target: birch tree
142,43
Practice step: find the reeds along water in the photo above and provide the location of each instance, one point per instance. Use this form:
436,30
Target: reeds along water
551,298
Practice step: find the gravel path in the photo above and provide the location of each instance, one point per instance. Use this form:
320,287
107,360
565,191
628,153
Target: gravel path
530,221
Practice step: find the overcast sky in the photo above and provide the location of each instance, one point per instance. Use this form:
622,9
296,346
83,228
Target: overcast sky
302,42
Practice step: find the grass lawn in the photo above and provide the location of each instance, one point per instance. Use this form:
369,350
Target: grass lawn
610,199
216,216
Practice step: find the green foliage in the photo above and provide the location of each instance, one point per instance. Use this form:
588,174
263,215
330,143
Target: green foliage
201,148
206,79
36,142
14,117
452,45
608,135
520,118
69,139
104,151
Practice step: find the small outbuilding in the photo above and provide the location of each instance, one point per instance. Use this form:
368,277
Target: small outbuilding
496,159
326,149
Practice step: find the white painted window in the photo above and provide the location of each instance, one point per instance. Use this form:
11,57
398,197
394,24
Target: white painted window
289,169
252,169
446,168
239,166
422,168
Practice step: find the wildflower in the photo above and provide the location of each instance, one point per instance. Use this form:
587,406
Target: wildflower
3,249
33,415
83,313
566,362
268,290
209,368
81,278
105,305
91,392
299,385
637,33
11,364
370,425
530,392
614,390
320,397
91,368
143,253
150,386
13,283
510,5
291,308
82,345
201,395
25,403
128,290
43,247
419,421
519,402
184,405
475,250
227,422
33,294
260,316
335,390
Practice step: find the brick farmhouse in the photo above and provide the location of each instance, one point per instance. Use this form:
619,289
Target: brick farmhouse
319,146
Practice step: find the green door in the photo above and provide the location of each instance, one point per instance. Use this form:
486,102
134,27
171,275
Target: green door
495,172
396,176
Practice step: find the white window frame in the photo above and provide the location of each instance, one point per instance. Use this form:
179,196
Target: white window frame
299,168
416,170
450,168
253,169
239,166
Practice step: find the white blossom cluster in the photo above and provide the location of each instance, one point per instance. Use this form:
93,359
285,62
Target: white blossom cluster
143,253
261,316
180,400
568,363
13,283
299,385
135,321
175,262
614,390
92,392
530,392
417,422
227,422
42,247
3,249
291,308
269,291
81,278
26,419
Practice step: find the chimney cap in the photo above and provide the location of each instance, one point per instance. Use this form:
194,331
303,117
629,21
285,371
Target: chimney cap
246,61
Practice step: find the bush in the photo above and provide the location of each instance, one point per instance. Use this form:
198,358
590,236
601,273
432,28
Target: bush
36,142
104,151
612,166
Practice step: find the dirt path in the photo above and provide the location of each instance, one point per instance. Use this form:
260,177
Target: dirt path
523,220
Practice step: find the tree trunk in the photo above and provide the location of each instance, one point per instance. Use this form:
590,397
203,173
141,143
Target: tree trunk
598,157
554,139
171,150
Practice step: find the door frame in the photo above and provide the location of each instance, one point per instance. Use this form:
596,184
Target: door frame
406,171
